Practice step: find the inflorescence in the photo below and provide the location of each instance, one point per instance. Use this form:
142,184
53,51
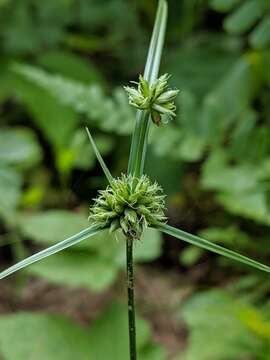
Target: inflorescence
156,98
129,204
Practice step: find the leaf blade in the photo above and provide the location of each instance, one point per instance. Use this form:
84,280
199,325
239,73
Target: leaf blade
205,244
140,134
156,44
99,158
72,240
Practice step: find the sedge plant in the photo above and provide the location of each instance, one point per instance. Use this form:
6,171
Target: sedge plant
131,202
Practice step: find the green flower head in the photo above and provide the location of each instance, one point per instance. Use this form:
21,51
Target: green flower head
157,98
129,204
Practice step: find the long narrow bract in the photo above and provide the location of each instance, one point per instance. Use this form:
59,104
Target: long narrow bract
205,244
140,134
84,234
100,159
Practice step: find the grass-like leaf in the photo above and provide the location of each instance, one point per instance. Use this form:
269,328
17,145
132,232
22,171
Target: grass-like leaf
156,45
82,235
205,244
100,159
140,134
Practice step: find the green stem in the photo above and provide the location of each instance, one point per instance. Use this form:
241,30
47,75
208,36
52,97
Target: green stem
140,134
138,146
131,306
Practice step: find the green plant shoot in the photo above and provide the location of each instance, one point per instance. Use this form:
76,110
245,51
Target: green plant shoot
131,202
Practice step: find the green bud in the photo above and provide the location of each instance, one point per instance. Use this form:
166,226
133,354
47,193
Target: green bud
155,98
143,210
167,96
143,87
115,224
124,225
131,215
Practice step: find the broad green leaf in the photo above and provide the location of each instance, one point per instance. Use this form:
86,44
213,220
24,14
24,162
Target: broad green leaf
56,120
51,226
260,36
140,133
241,80
223,5
241,136
252,205
240,187
43,337
109,114
84,234
207,245
10,190
100,159
205,314
71,66
77,269
219,175
47,337
19,146
109,337
200,63
244,17
19,24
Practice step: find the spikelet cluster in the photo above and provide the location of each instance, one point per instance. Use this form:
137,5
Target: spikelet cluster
129,204
156,98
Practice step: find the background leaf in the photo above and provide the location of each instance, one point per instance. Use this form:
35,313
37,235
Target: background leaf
57,336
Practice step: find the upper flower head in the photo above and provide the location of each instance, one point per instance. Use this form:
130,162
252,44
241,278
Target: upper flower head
157,98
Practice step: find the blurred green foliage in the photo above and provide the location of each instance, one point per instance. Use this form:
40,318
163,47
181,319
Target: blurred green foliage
225,327
107,337
62,67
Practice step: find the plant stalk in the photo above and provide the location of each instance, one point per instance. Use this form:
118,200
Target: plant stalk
131,305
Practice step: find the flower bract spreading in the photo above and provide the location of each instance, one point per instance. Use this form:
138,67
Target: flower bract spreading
129,204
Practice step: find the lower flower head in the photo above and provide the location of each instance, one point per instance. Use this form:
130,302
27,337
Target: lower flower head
129,204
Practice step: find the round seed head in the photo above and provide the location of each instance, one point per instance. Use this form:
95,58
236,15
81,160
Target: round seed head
129,204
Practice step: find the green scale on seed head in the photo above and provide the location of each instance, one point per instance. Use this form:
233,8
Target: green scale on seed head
156,98
129,204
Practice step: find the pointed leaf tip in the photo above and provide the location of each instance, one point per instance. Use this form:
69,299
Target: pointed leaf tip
99,158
